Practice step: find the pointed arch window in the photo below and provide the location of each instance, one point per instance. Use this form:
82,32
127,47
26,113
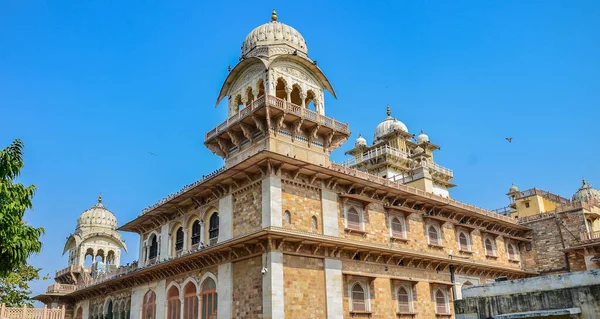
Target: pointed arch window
153,247
353,219
404,296
512,252
359,298
433,235
287,217
190,302
441,302
179,239
315,223
490,247
173,303
79,313
213,229
149,307
196,232
464,241
398,227
209,299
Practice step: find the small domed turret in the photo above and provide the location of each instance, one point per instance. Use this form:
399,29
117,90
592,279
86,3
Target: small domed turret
274,33
360,141
513,189
422,138
388,125
586,193
97,216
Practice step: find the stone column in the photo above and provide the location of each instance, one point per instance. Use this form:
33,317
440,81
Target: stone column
329,207
288,93
303,98
271,202
224,291
334,286
135,308
161,298
225,218
273,298
165,242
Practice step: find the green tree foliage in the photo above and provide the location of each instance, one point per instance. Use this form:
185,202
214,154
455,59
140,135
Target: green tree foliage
14,288
17,239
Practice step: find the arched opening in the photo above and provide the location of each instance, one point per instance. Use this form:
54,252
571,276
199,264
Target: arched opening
358,298
463,241
397,225
209,299
109,310
433,235
249,96
315,223
110,257
404,300
213,228
89,258
287,217
99,256
196,232
153,253
190,301
79,314
309,102
441,304
512,252
237,104
490,250
353,219
149,307
173,303
179,239
280,89
128,309
261,88
295,96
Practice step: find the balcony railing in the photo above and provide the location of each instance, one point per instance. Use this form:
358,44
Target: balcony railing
590,236
69,269
440,169
60,288
272,101
535,191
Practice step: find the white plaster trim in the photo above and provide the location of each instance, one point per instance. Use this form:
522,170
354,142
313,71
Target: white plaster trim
365,286
402,220
409,291
467,236
210,275
192,280
173,284
359,209
439,232
446,304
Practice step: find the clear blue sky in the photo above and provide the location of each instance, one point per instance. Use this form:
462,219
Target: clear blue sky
93,86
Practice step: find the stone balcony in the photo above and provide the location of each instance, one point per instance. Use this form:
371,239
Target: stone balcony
270,114
588,237
71,269
60,289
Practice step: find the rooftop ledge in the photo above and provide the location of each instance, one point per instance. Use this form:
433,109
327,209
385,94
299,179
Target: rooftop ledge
345,173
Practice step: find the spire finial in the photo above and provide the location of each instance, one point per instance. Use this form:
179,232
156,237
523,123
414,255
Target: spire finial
389,111
274,15
583,181
100,198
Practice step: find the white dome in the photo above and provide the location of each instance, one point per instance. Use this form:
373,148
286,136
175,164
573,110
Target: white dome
513,189
360,141
388,125
422,138
274,33
97,216
586,193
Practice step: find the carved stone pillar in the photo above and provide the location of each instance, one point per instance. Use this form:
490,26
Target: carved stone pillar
288,93
303,98
245,100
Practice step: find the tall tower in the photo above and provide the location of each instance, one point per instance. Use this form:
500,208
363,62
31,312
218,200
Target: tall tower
397,156
276,101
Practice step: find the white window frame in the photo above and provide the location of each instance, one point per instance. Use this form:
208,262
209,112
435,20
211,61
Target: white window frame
402,220
408,289
361,215
365,286
468,236
446,301
516,249
494,251
439,234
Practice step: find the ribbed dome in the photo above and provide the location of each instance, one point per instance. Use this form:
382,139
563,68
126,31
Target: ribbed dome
388,125
513,189
422,138
97,216
360,141
586,193
273,33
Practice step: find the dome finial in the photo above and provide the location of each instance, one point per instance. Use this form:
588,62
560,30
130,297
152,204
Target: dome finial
100,198
389,111
583,182
274,15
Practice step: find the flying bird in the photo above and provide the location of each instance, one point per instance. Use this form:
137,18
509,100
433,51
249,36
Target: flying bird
229,68
150,153
509,139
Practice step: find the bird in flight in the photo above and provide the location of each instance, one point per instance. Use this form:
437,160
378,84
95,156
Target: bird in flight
509,139
150,153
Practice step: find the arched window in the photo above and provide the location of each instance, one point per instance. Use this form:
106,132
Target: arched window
433,235
209,299
397,226
79,314
109,310
404,300
261,88
310,100
100,256
89,257
190,301
490,248
512,252
359,298
295,96
153,247
110,257
249,96
280,89
441,303
179,239
213,229
287,217
149,310
353,219
463,241
315,223
173,303
196,232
